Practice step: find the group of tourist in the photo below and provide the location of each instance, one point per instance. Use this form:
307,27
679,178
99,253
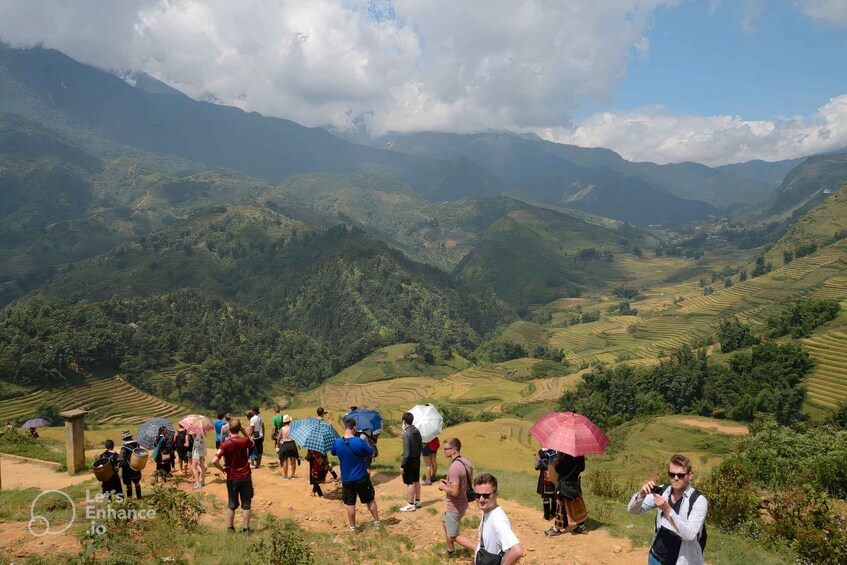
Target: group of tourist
679,535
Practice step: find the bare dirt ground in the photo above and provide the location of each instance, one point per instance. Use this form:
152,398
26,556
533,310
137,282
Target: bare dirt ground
292,499
734,430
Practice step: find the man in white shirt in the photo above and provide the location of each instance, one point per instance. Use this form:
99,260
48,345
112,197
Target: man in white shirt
495,531
681,516
257,432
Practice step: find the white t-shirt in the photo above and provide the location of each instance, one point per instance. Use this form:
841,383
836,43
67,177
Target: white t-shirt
497,531
256,422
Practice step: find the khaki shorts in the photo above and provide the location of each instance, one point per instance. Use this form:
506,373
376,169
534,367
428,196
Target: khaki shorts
452,523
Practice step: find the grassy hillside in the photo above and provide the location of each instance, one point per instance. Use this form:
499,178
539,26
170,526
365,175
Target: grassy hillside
816,228
534,256
670,316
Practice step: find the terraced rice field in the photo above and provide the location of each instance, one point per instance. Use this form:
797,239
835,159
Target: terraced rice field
827,384
111,400
664,329
476,389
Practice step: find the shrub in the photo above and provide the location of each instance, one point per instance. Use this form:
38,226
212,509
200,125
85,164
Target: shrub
732,503
175,505
602,483
801,517
283,547
831,472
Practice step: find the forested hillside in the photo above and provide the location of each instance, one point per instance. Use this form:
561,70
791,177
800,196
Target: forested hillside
184,346
340,286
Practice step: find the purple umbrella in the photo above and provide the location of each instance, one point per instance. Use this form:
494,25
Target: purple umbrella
36,423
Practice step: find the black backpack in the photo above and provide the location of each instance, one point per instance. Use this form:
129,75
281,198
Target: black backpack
702,536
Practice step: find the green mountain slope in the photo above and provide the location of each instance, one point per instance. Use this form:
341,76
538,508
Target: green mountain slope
338,286
48,86
816,229
535,256
806,185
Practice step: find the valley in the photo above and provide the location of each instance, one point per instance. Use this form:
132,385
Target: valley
161,256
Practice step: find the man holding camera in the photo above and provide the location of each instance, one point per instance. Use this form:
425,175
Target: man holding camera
680,532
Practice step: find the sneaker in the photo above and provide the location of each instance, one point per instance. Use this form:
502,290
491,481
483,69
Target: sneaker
230,530
245,531
580,529
197,486
375,523
352,529
427,483
408,508
418,504
552,532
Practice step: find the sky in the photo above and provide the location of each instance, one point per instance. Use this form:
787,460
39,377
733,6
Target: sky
711,81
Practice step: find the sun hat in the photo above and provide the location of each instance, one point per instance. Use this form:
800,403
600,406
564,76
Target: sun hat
286,419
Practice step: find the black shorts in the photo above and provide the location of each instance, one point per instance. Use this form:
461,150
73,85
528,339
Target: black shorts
288,449
427,451
242,489
363,488
412,471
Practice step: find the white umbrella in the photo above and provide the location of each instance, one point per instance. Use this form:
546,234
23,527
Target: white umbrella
427,420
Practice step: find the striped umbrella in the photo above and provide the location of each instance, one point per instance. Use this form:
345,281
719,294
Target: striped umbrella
570,433
314,434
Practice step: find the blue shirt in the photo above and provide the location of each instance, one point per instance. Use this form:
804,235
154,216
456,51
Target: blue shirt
351,453
218,425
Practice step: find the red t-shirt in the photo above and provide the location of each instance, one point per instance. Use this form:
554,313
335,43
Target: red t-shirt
234,452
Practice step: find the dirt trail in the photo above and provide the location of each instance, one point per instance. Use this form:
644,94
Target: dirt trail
292,499
22,473
712,425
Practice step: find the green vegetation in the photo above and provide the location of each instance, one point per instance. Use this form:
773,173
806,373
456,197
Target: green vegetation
803,318
766,379
19,443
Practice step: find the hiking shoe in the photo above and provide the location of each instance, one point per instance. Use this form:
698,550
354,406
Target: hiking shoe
375,523
352,529
408,508
552,532
230,530
580,529
418,504
245,531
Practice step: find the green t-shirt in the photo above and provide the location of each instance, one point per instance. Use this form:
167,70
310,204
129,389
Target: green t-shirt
277,422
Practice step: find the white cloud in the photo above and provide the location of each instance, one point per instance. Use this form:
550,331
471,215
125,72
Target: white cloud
418,64
653,134
833,11
406,64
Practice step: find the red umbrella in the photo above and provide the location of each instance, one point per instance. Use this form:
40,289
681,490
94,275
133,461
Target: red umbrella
570,433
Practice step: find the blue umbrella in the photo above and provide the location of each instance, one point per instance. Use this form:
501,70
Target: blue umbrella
36,423
314,434
149,431
365,419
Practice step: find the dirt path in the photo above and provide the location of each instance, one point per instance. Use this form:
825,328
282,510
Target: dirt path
735,430
22,473
292,499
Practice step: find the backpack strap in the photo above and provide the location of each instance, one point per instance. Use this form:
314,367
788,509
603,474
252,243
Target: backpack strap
695,494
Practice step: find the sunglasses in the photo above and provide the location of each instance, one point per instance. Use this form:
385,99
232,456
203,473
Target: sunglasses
677,475
484,495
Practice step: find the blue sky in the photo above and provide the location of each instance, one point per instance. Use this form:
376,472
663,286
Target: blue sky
712,81
735,59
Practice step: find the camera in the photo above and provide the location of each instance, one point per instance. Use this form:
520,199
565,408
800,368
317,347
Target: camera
657,489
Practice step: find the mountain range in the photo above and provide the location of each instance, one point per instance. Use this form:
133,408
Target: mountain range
145,115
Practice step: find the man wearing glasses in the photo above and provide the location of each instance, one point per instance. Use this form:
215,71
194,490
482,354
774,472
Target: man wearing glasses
497,541
455,486
680,521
